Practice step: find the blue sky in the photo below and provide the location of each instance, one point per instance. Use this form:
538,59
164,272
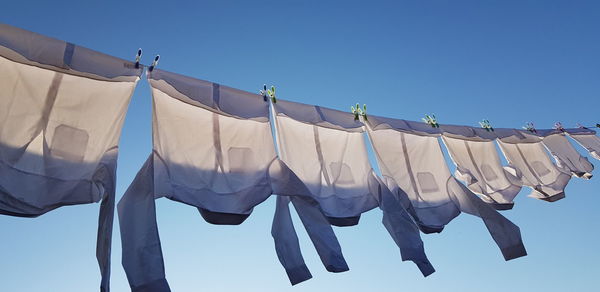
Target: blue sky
507,61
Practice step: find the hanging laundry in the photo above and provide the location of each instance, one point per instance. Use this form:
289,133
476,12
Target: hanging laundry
588,139
566,156
326,149
529,160
62,107
478,165
213,149
414,168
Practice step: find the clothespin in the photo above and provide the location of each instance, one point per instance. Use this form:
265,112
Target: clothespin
154,63
263,92
597,125
138,57
358,112
559,126
486,125
431,120
530,127
266,93
271,93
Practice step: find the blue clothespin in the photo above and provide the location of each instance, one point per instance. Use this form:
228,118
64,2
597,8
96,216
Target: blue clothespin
559,126
268,93
486,125
154,63
530,127
431,120
358,112
138,57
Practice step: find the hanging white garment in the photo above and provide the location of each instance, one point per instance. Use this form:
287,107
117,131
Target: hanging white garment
529,160
61,111
326,149
529,163
588,139
414,168
566,156
213,149
478,165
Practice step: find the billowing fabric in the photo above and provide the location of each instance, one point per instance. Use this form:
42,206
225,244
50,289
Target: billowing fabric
326,149
61,111
414,168
524,151
478,165
587,139
530,162
567,157
213,149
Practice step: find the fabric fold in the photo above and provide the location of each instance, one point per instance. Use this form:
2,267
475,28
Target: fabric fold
319,231
588,140
105,225
506,234
478,165
567,157
415,169
62,108
286,243
402,228
213,149
538,172
326,149
142,256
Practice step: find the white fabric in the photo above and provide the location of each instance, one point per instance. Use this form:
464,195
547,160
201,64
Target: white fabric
567,157
533,165
478,165
589,141
332,163
213,149
61,111
212,161
414,168
327,150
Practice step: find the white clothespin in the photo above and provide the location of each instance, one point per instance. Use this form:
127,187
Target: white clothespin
154,63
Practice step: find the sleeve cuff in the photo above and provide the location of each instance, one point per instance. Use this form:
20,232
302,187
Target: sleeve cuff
298,274
159,285
513,252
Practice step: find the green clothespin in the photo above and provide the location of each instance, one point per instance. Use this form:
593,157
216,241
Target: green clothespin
364,112
486,125
355,111
358,112
271,93
431,120
268,93
530,127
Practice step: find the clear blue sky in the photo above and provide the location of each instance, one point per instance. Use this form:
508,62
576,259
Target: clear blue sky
506,61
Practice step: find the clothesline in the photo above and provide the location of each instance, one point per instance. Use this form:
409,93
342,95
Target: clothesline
225,151
357,111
